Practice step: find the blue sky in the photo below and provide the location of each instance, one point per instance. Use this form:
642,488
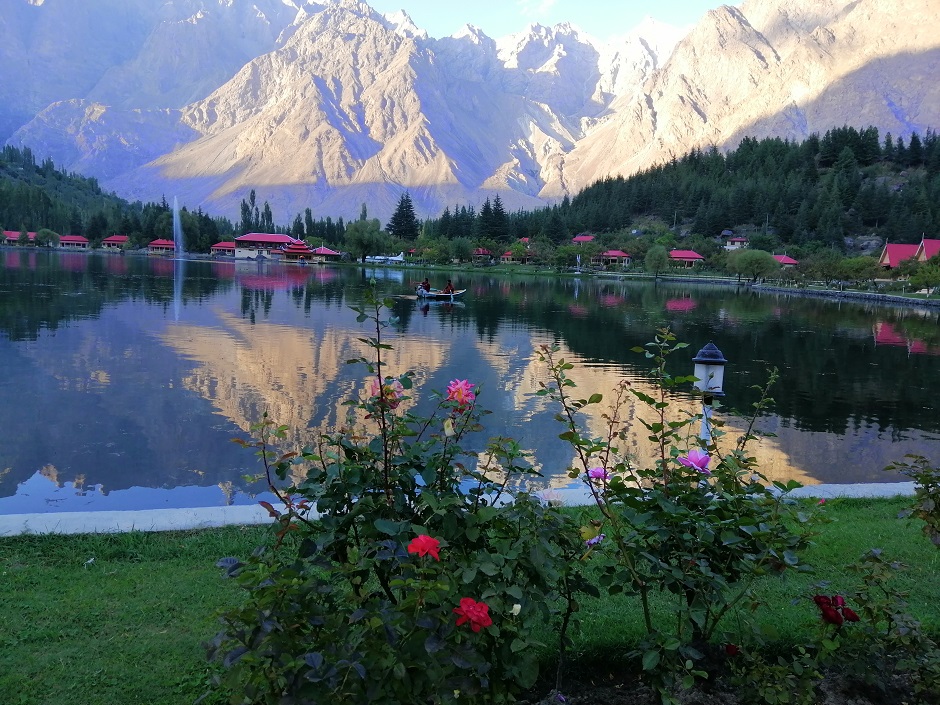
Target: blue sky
602,19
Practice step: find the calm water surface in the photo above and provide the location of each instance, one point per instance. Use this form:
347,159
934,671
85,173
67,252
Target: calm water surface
126,379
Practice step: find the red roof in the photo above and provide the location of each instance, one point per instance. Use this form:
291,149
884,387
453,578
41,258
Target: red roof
265,239
784,259
223,246
615,253
73,238
482,251
582,238
928,249
298,248
893,254
327,252
685,255
114,240
15,235
737,238
162,244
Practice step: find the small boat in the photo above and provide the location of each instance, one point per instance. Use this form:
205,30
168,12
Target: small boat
438,295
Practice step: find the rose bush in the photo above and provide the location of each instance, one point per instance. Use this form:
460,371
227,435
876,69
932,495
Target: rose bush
402,568
702,536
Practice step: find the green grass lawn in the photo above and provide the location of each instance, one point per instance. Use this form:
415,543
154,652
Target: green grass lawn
128,626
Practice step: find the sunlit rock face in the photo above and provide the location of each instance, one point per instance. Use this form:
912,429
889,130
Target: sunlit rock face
329,105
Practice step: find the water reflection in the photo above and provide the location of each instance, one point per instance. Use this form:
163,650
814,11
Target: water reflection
131,376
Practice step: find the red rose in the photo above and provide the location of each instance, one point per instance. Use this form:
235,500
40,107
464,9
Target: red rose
477,613
849,614
831,615
838,601
424,545
822,601
732,649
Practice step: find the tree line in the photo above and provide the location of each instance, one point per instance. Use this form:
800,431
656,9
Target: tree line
806,195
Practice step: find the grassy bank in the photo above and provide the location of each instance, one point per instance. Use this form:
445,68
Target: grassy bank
120,618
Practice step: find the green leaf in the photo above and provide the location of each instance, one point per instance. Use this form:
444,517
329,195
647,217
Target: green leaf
595,399
650,660
386,526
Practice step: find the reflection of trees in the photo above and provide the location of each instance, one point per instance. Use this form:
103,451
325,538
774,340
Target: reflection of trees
833,374
42,290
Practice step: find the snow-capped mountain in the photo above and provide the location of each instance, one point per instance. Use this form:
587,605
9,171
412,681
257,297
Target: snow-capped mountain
329,104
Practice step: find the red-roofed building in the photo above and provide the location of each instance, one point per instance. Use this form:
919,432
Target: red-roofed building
223,249
688,258
481,254
114,242
73,242
927,249
582,239
786,261
615,258
264,245
12,237
893,254
325,254
297,251
161,247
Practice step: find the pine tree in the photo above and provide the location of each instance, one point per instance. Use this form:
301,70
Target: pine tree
404,223
500,227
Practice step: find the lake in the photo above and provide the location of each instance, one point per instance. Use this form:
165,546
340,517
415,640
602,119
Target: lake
127,378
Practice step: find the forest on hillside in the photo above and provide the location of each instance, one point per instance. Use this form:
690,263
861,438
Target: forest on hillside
794,196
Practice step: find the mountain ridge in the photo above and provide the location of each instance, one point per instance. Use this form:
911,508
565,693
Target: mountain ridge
337,105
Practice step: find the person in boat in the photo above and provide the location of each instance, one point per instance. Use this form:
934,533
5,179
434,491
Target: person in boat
426,285
449,288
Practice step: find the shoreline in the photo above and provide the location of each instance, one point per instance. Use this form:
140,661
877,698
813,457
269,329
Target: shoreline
152,520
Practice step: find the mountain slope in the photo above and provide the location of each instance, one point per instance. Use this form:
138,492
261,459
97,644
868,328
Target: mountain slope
328,105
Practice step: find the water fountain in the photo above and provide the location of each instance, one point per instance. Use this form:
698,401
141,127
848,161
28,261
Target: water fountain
179,261
179,250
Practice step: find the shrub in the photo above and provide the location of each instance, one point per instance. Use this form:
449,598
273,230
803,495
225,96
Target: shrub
402,568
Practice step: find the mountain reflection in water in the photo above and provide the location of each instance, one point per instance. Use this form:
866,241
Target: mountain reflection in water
125,385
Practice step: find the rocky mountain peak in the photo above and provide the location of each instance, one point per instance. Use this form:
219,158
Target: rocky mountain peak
328,104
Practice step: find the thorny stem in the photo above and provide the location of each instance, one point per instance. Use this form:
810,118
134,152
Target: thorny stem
759,406
383,418
558,378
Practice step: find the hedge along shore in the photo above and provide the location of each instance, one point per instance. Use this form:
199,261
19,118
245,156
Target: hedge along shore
108,522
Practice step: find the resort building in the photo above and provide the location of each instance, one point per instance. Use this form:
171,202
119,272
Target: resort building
582,239
114,242
262,245
481,254
687,258
325,254
786,261
735,242
12,237
73,242
297,252
613,258
161,247
223,249
893,254
927,249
